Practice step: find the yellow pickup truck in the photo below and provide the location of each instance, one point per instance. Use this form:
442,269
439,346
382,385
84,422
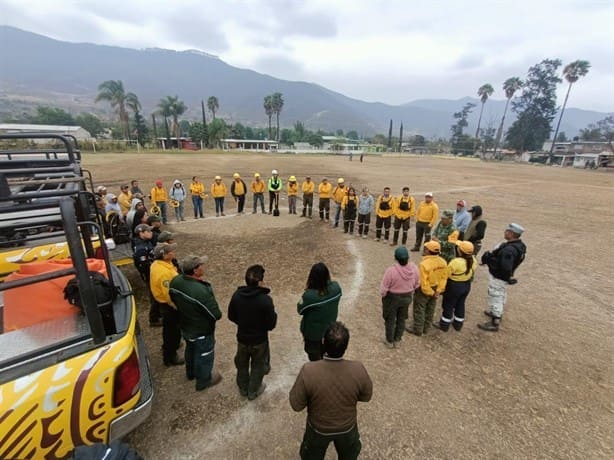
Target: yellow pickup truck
73,371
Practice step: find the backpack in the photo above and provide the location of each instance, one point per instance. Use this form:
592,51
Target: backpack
118,229
104,291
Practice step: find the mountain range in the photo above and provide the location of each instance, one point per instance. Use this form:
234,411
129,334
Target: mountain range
38,70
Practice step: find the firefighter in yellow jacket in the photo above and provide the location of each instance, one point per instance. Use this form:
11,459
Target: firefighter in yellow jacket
384,209
197,190
350,208
325,190
292,194
308,188
218,192
405,208
426,217
339,192
159,197
258,187
433,279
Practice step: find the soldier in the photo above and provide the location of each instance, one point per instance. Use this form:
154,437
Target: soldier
502,262
405,208
426,216
308,188
384,208
446,234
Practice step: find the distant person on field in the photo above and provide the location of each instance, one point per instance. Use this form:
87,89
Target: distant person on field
218,192
238,190
136,190
349,205
159,197
476,229
292,194
179,194
275,186
135,205
405,208
330,390
319,307
198,313
446,234
339,192
251,308
325,192
426,217
258,187
197,191
461,270
384,208
125,199
366,205
502,262
143,257
308,188
397,290
112,205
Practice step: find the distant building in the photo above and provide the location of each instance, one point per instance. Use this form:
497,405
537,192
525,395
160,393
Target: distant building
77,131
185,143
257,145
574,147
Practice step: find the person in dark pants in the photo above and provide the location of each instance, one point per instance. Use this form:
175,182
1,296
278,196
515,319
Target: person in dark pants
198,313
143,258
238,190
460,276
252,310
162,273
308,187
426,217
476,229
397,289
319,307
330,389
275,186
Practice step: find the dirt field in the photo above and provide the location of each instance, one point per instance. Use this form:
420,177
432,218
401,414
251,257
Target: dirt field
543,387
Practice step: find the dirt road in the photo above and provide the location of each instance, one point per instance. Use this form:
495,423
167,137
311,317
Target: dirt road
543,387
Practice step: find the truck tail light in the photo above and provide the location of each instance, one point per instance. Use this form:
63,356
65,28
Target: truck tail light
127,380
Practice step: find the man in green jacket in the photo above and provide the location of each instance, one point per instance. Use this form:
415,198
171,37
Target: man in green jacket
198,313
319,307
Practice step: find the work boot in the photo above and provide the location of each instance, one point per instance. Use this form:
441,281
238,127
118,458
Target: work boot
174,361
491,326
389,345
216,378
258,392
488,313
415,249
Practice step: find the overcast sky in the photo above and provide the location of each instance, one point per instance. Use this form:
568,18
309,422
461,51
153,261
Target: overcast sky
392,51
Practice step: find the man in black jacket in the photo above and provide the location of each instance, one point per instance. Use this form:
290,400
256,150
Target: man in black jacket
502,262
252,310
143,247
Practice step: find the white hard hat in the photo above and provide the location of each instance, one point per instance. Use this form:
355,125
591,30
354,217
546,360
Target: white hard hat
274,172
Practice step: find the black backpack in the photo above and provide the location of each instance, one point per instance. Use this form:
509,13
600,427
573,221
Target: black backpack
118,229
105,292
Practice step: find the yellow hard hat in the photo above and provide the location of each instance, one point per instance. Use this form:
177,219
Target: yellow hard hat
340,180
292,179
257,175
218,178
236,175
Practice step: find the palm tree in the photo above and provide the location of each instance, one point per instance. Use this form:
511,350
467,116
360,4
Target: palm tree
133,103
213,105
164,107
572,73
268,109
510,86
171,106
113,91
484,91
277,102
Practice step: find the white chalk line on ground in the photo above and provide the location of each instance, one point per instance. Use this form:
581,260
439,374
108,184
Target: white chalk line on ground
246,416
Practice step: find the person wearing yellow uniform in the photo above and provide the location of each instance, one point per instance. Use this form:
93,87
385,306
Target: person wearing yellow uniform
433,279
161,273
349,205
339,192
258,186
292,194
325,190
238,190
460,275
159,197
426,216
197,190
405,208
125,199
308,188
218,192
384,208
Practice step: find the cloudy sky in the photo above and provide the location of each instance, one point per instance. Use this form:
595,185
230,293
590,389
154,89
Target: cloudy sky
392,51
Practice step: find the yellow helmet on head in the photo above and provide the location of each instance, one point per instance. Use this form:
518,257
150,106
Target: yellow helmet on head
340,180
236,176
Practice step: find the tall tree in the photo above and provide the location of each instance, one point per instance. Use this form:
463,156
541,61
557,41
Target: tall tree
90,122
390,134
536,107
204,139
606,126
401,138
268,109
174,108
510,86
572,73
277,101
460,141
164,107
484,91
113,92
217,131
213,104
133,103
155,128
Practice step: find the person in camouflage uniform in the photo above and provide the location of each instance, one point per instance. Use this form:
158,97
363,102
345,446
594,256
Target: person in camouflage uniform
446,234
